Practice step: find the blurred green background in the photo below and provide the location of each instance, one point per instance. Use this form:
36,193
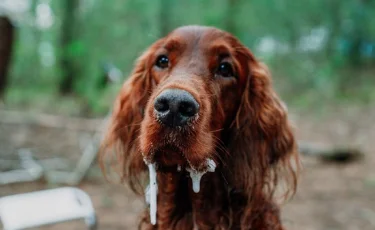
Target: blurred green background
317,50
321,54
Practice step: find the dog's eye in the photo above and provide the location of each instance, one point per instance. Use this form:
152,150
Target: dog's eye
162,62
225,70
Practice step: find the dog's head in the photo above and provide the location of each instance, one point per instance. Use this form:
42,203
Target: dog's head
199,94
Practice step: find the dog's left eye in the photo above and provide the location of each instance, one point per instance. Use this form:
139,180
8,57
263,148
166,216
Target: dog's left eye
162,62
225,70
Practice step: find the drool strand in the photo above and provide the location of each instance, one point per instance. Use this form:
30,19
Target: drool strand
153,190
197,176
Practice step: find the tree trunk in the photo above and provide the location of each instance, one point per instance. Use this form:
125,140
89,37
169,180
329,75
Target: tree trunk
230,21
164,18
68,29
358,33
6,44
34,67
335,21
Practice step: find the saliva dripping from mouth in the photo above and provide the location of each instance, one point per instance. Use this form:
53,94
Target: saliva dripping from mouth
152,188
153,192
196,176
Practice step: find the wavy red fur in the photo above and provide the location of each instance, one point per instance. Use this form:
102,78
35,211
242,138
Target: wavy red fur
242,125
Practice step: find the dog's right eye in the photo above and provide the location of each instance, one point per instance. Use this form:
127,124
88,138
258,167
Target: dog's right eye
225,69
162,62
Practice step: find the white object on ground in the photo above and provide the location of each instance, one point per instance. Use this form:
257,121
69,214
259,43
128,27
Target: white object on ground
31,169
196,176
40,208
153,191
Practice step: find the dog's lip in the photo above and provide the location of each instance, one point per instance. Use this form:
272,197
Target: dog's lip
166,155
174,161
170,148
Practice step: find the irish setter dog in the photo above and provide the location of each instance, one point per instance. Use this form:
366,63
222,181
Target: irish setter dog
198,117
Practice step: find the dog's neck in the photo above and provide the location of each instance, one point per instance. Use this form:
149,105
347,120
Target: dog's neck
218,203
179,201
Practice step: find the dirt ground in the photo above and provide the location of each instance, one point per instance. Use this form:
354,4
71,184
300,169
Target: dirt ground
330,196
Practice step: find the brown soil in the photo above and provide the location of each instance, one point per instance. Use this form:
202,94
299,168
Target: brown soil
330,196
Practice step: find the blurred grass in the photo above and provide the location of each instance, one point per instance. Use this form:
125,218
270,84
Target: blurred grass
41,99
303,82
308,82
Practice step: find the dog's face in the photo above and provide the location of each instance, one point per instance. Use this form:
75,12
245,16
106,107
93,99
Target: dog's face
199,78
199,94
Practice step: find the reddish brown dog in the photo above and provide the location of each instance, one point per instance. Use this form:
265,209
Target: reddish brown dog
194,95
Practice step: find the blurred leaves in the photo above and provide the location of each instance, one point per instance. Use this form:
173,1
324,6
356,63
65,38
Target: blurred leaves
75,49
340,67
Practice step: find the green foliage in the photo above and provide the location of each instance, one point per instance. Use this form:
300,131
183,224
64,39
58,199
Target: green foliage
118,31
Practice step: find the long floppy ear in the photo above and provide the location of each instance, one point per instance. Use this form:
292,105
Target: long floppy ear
263,143
121,140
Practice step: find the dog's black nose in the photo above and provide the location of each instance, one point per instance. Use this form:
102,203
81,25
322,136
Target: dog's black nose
174,107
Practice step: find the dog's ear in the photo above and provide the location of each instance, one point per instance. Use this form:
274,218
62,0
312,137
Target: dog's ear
265,114
121,138
264,144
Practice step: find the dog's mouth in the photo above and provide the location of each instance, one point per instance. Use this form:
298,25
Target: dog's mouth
172,158
169,157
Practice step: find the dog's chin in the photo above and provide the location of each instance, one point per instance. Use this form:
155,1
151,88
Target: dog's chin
169,156
166,158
